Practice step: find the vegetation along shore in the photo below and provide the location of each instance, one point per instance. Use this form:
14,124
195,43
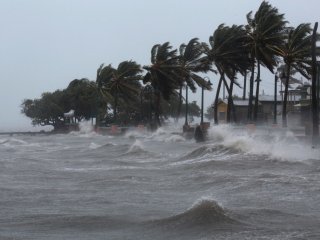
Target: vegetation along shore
130,94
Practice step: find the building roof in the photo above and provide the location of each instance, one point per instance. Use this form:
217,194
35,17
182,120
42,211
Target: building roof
239,102
269,98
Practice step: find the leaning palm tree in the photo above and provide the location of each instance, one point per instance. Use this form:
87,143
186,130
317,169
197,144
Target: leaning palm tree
296,54
122,83
228,52
163,73
265,31
103,95
192,62
281,69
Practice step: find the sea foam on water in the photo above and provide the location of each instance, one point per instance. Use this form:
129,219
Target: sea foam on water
282,144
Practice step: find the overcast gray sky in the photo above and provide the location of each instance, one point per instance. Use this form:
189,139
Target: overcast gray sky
46,44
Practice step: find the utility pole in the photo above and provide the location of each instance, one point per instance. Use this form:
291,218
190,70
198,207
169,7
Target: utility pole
186,117
275,99
202,93
315,108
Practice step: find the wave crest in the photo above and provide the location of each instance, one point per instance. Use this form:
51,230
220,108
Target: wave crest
203,212
217,150
276,143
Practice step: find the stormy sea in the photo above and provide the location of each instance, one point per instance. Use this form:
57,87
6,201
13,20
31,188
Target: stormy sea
159,185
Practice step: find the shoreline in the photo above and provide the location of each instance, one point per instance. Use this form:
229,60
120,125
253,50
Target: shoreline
25,133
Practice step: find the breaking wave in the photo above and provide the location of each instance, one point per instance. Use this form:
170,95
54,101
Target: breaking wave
175,138
137,146
166,135
203,212
281,145
209,150
136,149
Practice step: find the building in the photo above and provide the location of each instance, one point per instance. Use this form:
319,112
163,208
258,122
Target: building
240,107
298,107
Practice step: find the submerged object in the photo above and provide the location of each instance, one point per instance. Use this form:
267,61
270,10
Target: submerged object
199,134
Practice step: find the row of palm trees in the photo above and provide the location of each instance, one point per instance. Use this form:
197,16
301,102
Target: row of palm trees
232,51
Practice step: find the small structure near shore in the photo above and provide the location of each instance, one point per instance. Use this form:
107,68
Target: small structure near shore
199,134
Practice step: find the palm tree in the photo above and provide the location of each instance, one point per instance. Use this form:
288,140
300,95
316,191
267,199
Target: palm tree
227,50
122,83
163,74
191,62
103,95
296,54
265,32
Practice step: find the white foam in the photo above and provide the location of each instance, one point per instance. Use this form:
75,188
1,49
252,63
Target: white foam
94,145
175,138
158,134
86,129
282,145
136,146
136,134
204,200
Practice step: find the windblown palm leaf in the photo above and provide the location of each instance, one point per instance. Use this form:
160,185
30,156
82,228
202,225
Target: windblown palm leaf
163,73
228,51
103,73
192,61
121,83
265,32
292,80
296,53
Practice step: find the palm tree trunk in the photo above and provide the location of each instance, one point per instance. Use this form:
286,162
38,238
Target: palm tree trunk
251,94
230,102
244,86
157,113
256,102
285,99
97,110
215,110
180,104
186,112
115,109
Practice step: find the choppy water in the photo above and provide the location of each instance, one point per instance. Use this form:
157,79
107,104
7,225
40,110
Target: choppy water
159,186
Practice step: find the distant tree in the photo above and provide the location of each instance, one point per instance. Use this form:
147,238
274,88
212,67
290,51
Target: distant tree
48,110
164,74
193,109
122,83
82,97
170,108
210,112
